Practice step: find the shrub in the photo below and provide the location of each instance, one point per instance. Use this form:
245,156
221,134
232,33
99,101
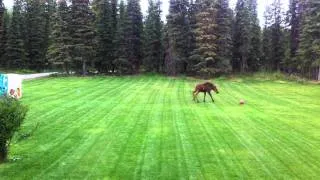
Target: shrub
12,114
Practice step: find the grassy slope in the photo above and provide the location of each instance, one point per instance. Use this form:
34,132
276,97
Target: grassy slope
148,127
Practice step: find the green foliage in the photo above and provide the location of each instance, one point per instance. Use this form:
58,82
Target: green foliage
224,36
242,36
275,33
309,51
4,37
134,30
153,47
12,114
36,34
82,30
254,59
121,61
15,52
178,34
59,52
104,34
206,40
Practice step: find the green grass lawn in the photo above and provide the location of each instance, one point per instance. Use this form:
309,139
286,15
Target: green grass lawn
148,127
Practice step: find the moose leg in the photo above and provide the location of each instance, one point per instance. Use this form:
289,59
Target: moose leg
211,96
204,97
196,96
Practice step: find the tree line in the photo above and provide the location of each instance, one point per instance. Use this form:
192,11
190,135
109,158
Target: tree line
201,37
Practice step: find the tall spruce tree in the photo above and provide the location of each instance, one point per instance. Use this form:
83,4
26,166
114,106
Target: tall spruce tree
178,31
121,61
224,35
35,41
205,54
242,37
49,10
255,42
2,29
295,13
309,49
4,36
277,36
82,31
266,57
15,53
192,12
153,38
104,33
134,30
59,51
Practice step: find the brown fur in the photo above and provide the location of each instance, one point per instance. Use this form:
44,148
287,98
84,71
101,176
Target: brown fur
204,88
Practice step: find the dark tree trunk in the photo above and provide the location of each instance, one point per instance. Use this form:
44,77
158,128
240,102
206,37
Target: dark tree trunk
318,74
84,68
3,152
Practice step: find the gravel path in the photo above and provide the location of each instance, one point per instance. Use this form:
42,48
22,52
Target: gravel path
38,75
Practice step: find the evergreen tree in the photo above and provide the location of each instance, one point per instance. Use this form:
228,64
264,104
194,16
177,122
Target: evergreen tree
277,36
309,50
4,36
35,41
59,51
153,38
49,10
121,61
192,12
266,48
205,54
134,30
82,35
242,36
104,29
255,42
178,31
224,36
2,29
292,62
15,53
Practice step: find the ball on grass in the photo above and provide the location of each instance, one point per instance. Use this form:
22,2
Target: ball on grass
241,101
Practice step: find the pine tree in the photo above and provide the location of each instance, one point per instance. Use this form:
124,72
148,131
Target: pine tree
121,61
294,18
255,42
266,49
309,50
153,38
205,54
178,31
49,10
2,29
277,36
224,36
192,12
242,37
15,53
134,30
35,41
82,35
4,36
59,51
104,29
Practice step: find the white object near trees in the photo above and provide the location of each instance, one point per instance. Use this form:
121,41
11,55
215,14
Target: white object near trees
14,86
